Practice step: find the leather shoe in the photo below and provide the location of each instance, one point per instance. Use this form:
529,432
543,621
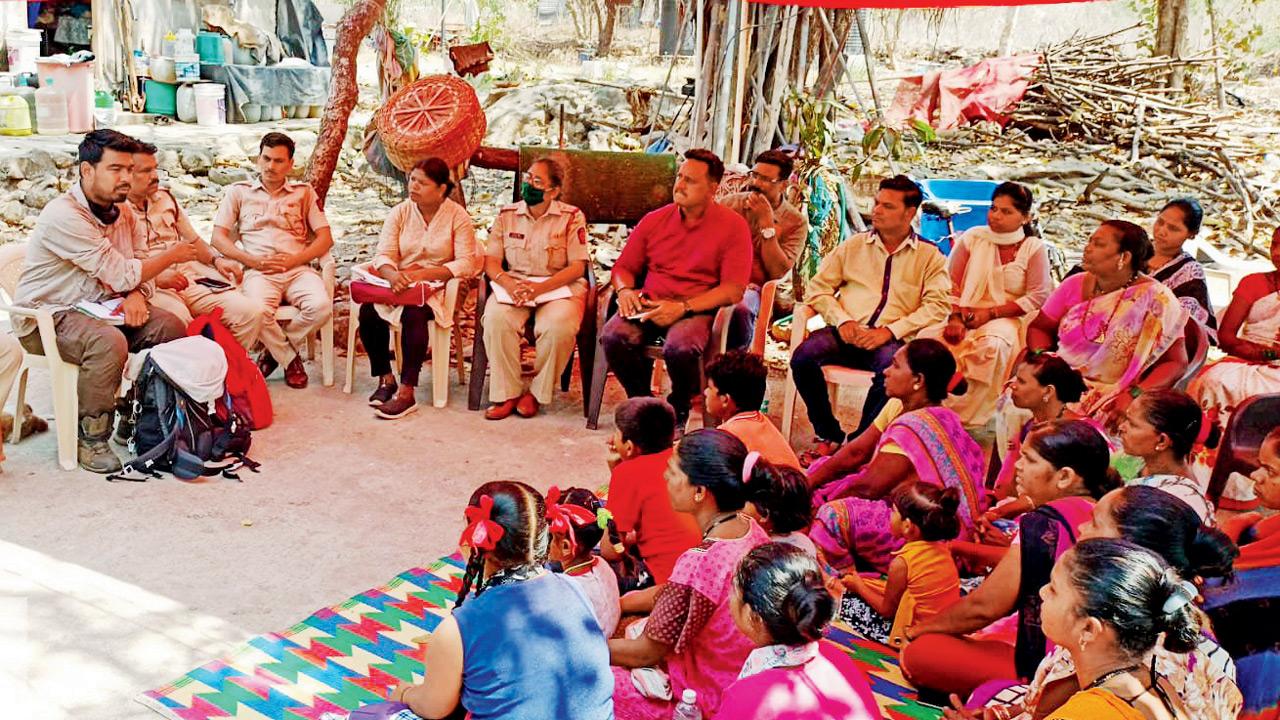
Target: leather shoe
295,375
267,364
502,410
527,406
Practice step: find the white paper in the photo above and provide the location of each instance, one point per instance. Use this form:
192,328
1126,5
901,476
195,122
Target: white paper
364,274
108,310
501,295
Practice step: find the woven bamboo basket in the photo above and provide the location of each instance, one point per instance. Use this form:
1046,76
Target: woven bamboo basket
438,115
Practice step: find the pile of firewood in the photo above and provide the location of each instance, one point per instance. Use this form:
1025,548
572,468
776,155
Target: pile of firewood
1095,91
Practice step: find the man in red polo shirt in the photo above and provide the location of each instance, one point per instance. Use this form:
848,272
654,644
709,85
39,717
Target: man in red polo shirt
682,263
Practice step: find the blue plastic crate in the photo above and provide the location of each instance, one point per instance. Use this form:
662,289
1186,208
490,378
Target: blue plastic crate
973,194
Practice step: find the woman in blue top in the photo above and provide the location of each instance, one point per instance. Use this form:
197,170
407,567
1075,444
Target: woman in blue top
526,643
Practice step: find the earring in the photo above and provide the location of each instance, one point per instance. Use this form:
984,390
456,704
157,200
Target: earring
1083,644
915,386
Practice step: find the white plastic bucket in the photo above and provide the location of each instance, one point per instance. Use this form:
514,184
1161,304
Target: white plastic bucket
23,49
211,104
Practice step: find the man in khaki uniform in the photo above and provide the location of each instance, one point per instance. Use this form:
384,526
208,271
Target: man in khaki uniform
778,231
177,289
543,243
281,231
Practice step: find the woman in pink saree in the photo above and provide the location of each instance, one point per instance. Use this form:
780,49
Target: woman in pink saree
914,438
1121,329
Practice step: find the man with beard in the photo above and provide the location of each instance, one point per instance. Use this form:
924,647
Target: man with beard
778,231
680,265
88,246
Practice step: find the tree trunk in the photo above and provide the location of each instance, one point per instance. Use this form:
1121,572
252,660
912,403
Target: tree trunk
1171,32
353,28
606,33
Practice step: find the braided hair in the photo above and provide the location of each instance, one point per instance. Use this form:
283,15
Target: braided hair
521,513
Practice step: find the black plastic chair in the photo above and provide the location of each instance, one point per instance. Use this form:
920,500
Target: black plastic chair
584,349
1238,451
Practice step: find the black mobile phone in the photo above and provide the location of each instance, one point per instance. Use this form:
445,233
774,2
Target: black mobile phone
213,283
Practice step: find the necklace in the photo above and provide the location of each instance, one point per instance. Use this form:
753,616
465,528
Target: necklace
569,570
717,523
1107,677
1096,293
510,575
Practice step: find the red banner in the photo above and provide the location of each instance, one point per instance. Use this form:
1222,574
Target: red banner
854,4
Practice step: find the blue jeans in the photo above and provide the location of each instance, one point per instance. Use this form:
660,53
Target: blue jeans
825,347
742,326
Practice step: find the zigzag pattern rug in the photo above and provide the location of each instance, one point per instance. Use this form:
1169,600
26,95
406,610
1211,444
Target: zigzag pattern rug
352,653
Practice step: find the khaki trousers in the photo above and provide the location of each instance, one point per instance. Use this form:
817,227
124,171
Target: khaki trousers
555,329
304,289
242,315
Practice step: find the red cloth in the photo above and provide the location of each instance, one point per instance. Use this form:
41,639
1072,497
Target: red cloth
415,295
677,263
638,500
980,92
244,382
852,4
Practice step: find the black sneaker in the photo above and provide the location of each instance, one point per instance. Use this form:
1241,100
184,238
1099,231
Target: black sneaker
384,393
397,407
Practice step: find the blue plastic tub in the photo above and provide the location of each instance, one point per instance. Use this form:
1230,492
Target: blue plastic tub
973,194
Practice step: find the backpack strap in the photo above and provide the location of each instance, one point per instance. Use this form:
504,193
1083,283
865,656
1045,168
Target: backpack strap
145,463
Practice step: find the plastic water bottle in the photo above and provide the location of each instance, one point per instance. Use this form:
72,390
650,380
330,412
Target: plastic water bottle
687,708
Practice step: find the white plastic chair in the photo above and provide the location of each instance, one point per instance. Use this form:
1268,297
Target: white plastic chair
440,339
62,375
286,313
804,321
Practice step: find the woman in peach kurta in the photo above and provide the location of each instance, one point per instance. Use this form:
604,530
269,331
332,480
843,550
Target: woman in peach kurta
426,239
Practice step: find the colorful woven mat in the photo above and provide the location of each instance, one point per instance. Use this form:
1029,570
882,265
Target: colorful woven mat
352,653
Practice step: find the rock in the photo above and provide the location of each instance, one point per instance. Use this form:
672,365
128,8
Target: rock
31,165
41,194
169,161
226,175
196,161
64,160
13,212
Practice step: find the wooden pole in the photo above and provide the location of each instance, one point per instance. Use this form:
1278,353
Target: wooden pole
746,15
1006,35
724,79
1217,61
866,57
781,77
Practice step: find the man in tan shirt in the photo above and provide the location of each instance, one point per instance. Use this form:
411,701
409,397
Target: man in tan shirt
543,243
281,231
179,289
876,290
87,246
778,231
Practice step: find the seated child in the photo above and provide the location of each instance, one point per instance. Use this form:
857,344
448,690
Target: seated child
782,504
735,391
576,520
922,579
640,449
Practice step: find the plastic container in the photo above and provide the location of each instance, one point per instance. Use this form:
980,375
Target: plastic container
687,708
184,43
252,112
973,194
21,90
186,67
186,103
51,109
211,104
162,98
76,83
162,70
141,63
23,49
211,48
15,116
104,109
168,44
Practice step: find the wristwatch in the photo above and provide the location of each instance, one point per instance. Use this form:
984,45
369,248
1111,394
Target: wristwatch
769,233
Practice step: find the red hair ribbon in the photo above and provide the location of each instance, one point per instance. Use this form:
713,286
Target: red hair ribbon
1208,418
561,517
955,381
482,532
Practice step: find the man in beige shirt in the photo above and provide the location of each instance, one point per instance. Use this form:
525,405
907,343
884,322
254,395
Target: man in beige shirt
180,289
543,243
876,290
778,231
87,246
281,231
